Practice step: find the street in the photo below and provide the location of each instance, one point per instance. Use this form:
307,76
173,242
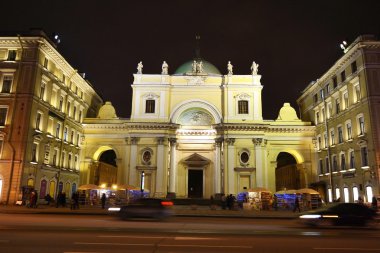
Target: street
101,233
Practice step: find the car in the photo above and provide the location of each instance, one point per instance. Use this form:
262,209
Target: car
147,208
340,214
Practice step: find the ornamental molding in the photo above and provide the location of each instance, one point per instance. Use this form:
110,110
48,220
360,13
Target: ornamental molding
151,95
243,96
195,132
195,80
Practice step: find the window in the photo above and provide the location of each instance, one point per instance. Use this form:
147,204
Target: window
315,98
327,164
355,193
60,103
337,106
320,166
335,163
42,90
47,154
81,94
364,154
316,118
34,152
3,115
349,131
65,133
323,114
340,134
345,99
80,116
46,62
38,121
68,108
332,136
342,162
243,107
329,110
63,79
361,125
78,136
12,55
325,139
72,136
337,193
244,157
74,112
63,161
150,106
357,93
319,142
76,162
335,82
69,161
352,159
7,84
146,156
55,156
354,67
58,130
343,76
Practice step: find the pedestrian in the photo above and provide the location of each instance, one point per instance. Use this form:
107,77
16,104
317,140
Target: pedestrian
296,205
374,203
48,199
103,199
274,203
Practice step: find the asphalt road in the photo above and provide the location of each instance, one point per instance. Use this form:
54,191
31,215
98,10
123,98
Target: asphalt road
80,233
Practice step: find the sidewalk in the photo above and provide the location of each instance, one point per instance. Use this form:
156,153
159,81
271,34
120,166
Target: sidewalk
179,210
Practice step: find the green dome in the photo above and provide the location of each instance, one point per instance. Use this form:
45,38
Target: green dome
187,67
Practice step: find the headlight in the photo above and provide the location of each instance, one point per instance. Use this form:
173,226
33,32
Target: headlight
114,209
310,216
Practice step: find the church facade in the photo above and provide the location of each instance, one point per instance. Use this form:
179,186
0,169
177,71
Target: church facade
197,133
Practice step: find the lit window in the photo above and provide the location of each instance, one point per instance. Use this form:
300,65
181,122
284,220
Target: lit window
332,135
7,84
369,193
243,107
349,130
65,132
346,195
337,193
345,99
34,152
38,121
150,106
355,193
330,195
357,93
55,156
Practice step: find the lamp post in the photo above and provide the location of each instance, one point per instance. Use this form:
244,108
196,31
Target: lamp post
142,183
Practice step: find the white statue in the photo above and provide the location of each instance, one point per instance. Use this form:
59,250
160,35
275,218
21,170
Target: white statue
254,68
199,67
165,68
229,68
139,68
194,67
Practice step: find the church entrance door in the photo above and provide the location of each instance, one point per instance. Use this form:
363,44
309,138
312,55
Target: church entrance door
195,183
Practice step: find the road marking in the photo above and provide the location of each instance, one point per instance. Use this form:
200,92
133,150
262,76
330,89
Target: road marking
352,249
194,238
81,252
115,244
130,236
205,246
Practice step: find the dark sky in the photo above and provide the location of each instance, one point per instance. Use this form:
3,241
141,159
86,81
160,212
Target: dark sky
294,42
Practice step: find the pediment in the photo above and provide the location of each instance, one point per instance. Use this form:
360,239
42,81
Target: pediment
196,159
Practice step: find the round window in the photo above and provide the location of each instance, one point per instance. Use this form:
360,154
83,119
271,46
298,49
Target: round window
147,156
244,157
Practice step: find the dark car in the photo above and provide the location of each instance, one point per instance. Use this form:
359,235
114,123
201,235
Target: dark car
152,208
340,214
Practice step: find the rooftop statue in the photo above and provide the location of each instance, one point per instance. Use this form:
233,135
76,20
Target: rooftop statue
229,68
254,68
139,67
194,67
165,68
197,67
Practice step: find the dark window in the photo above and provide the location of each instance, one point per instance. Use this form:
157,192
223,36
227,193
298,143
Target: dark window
352,160
343,76
340,134
320,166
12,55
332,138
244,157
60,103
327,164
361,125
7,83
337,103
34,152
3,115
335,163
315,98
42,90
354,67
38,121
150,106
364,153
335,82
46,61
342,162
243,107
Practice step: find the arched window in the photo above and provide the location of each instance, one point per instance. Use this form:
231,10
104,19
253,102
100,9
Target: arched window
43,186
369,193
52,188
30,182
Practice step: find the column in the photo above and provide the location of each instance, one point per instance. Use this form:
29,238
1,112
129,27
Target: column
230,165
160,173
119,175
217,167
132,162
261,171
173,165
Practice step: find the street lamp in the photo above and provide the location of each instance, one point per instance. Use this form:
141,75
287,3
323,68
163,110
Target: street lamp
142,183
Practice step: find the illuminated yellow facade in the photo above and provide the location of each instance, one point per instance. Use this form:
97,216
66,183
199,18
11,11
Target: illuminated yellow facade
197,133
43,101
344,104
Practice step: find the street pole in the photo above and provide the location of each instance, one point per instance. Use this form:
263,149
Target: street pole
142,183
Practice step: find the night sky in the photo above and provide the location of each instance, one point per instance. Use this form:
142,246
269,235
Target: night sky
294,42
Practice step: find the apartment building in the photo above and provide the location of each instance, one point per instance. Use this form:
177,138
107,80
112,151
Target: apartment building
43,101
344,105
